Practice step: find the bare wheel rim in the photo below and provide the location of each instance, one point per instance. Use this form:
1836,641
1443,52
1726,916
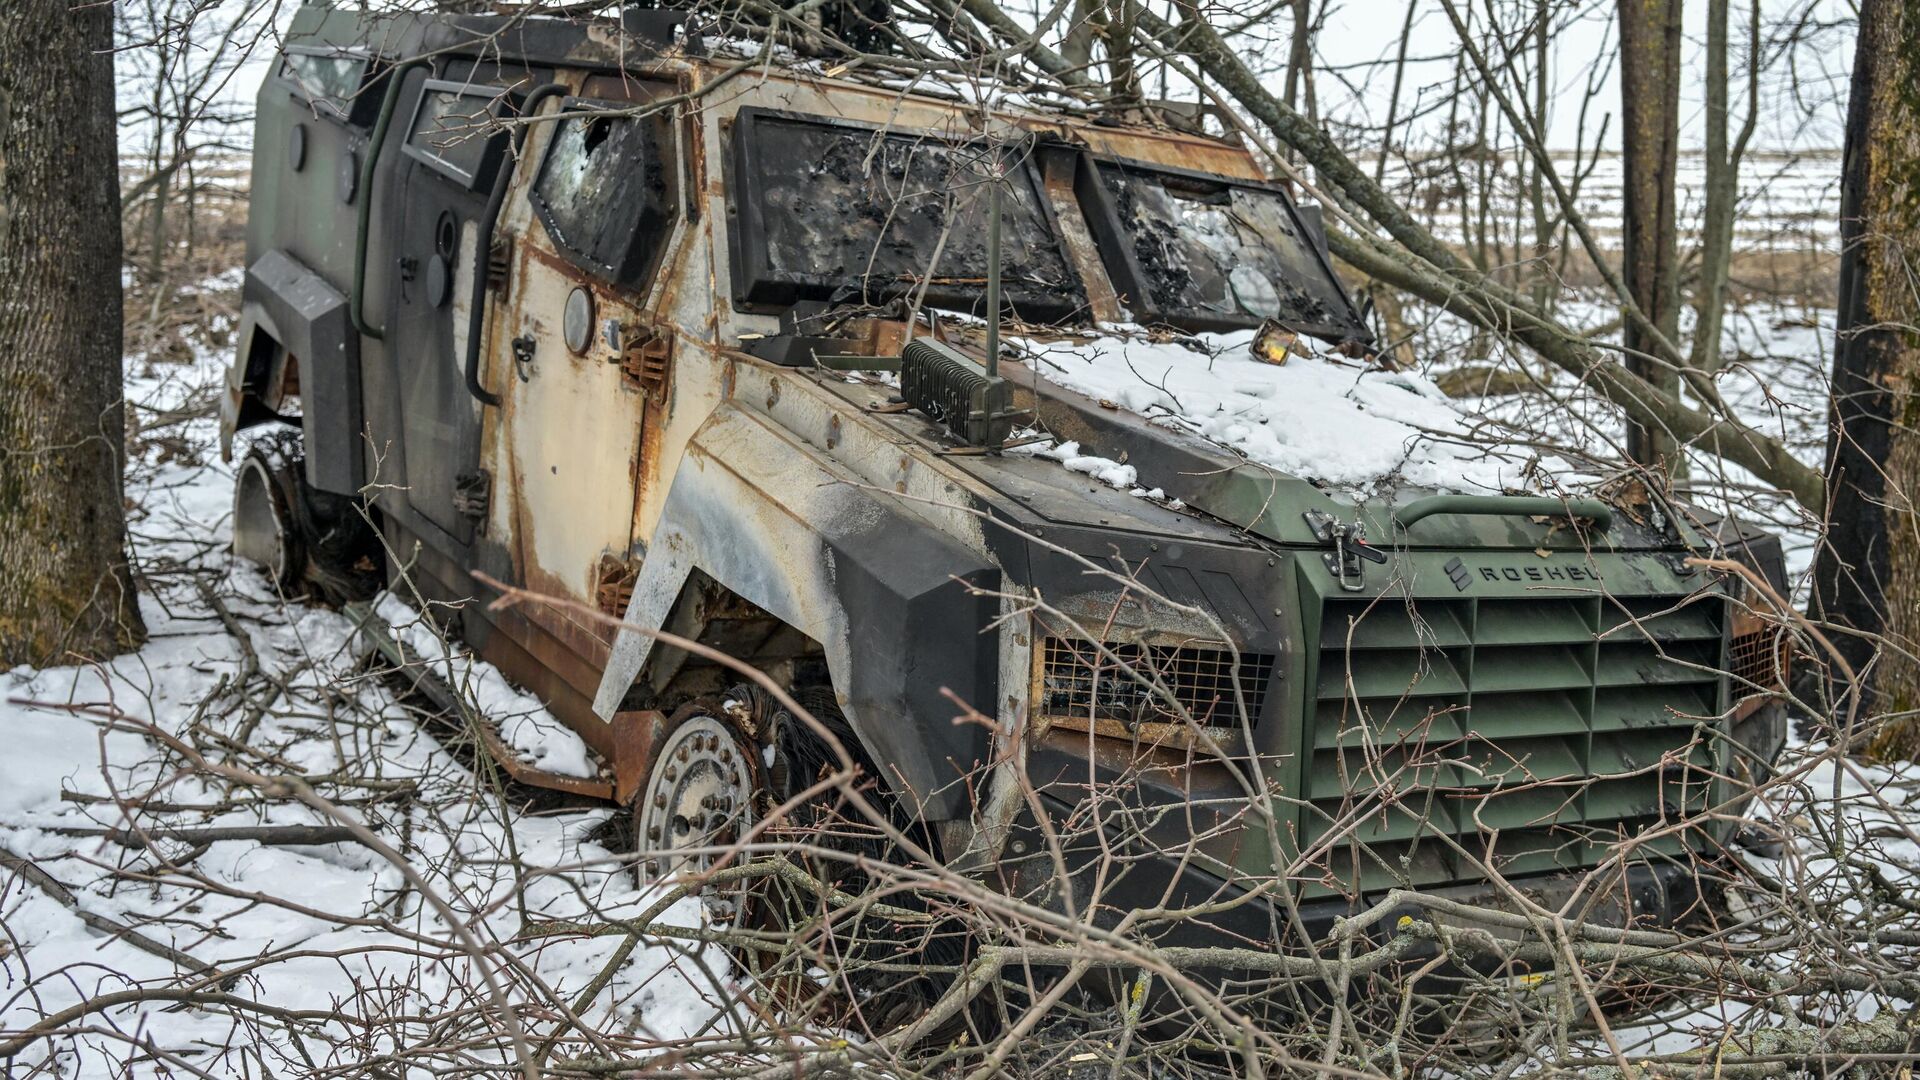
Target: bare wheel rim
695,801
259,523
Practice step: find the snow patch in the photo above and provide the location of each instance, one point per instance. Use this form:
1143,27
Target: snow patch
1106,470
1317,417
525,724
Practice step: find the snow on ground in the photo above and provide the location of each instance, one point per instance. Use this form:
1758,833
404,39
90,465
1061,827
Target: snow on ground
337,929
333,928
525,723
1838,821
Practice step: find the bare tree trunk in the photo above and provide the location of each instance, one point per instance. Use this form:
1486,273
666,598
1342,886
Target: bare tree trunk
1650,147
1076,47
1723,182
1393,98
1300,59
1124,80
1543,284
1868,575
64,581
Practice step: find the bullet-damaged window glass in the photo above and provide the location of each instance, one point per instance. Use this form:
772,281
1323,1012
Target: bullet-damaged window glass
330,80
829,210
456,129
605,192
1208,254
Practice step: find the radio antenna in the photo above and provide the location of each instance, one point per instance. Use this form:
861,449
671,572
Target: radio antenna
994,179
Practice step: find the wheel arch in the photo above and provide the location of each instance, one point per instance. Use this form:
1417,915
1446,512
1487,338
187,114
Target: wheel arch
903,613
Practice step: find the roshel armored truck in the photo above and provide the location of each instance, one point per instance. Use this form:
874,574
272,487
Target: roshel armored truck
574,304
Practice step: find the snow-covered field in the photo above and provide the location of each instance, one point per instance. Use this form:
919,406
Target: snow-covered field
289,958
1789,202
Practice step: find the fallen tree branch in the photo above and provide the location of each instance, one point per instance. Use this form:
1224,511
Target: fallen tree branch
50,885
270,835
1437,276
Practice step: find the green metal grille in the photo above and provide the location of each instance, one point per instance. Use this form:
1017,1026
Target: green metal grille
1527,734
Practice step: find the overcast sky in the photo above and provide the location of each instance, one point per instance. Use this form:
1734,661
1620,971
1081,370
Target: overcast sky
1803,90
1358,32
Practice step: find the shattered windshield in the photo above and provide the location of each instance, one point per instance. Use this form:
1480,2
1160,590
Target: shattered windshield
1206,254
835,211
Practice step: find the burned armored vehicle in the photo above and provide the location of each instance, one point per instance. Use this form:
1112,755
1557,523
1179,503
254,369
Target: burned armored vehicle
575,306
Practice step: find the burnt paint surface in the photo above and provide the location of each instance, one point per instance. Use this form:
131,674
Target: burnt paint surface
605,192
831,210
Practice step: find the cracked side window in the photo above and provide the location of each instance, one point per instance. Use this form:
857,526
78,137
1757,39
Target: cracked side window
605,193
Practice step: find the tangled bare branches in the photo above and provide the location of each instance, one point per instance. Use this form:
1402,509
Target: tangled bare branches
280,860
256,848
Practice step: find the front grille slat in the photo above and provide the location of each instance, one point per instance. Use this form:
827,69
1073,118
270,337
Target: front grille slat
1533,622
1537,731
1078,682
1389,674
1620,708
1641,663
1532,712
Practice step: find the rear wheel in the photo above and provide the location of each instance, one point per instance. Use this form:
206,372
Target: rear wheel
263,530
306,541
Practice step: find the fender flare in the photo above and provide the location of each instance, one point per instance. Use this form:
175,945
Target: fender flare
309,318
901,609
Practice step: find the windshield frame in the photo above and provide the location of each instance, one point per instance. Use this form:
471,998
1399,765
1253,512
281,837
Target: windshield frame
759,286
1130,280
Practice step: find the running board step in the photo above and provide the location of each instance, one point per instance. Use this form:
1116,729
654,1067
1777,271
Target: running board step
420,674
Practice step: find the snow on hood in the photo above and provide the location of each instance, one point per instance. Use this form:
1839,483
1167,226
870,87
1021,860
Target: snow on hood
1316,417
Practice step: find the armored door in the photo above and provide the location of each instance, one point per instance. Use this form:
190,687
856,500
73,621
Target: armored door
454,149
597,223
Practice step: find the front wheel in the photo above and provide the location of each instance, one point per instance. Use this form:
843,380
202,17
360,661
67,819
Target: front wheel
891,942
696,800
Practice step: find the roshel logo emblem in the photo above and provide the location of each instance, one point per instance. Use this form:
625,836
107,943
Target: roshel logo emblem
1461,576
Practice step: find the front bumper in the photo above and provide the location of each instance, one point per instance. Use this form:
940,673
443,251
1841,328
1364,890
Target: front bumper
1194,908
